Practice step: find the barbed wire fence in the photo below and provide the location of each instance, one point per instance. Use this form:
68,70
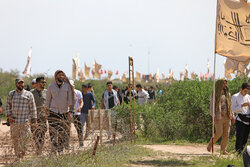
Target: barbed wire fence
105,128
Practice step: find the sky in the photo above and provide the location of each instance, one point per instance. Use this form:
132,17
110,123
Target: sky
160,34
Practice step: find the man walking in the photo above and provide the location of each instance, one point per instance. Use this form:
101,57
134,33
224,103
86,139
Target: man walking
142,95
109,97
39,94
20,109
89,103
59,103
77,113
241,106
110,100
223,115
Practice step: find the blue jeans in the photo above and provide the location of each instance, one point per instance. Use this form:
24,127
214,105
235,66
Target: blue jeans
83,119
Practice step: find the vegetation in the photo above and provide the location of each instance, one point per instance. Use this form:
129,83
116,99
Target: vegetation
180,114
125,154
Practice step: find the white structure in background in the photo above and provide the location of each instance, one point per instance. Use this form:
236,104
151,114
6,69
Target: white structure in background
27,70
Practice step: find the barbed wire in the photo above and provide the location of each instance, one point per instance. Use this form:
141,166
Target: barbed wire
38,141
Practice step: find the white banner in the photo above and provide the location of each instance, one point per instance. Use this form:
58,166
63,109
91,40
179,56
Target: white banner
233,30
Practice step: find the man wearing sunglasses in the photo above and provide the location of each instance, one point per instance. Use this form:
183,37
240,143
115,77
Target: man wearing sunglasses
39,94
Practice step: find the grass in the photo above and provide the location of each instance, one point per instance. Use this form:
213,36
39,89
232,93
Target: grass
125,154
106,156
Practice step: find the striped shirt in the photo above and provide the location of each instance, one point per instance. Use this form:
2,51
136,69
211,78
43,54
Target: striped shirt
21,106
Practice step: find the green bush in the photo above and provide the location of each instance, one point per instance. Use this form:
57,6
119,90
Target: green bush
181,113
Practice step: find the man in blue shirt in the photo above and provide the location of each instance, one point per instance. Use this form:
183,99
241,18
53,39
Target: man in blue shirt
88,104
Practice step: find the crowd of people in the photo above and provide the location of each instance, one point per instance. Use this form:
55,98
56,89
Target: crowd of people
61,104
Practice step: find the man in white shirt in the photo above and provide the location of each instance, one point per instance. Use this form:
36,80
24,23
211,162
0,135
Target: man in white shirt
142,95
77,113
240,106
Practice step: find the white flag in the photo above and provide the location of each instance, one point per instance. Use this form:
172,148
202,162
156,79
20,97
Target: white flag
27,70
231,66
233,30
75,67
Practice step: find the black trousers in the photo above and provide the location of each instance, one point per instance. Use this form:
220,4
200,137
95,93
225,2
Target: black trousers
58,130
78,126
242,132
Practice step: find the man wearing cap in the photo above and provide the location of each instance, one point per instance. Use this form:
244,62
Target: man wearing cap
59,103
34,83
39,94
77,113
20,109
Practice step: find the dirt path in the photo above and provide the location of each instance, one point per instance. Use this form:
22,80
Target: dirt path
187,149
7,153
173,151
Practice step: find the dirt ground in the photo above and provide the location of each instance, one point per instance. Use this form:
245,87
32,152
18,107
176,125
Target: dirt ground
184,152
187,149
7,153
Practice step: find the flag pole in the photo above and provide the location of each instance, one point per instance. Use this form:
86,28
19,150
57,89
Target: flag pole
213,104
214,80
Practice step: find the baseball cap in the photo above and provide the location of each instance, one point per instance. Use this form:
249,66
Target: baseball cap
19,80
72,82
33,81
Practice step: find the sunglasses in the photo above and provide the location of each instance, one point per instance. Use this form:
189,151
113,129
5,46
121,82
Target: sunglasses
44,82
